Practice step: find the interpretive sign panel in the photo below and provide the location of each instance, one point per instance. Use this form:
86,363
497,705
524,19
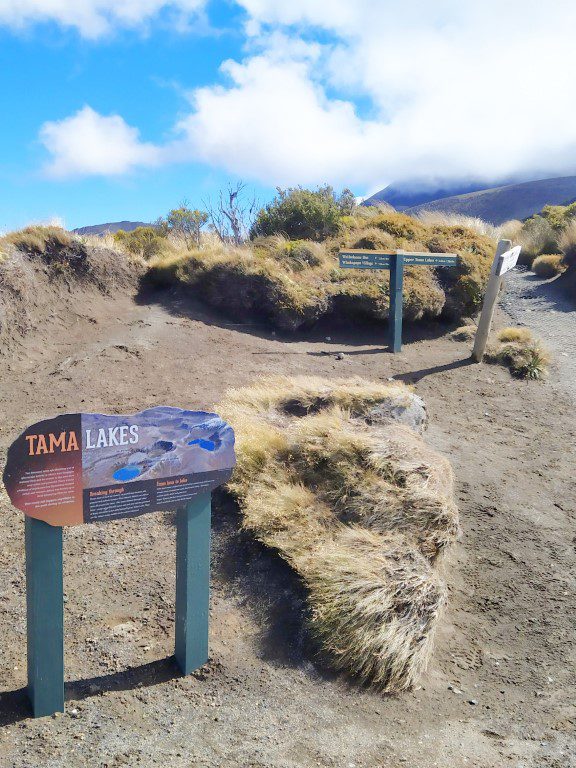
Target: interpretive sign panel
89,467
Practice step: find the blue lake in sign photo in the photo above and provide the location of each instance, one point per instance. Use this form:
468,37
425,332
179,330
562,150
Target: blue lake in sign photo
159,442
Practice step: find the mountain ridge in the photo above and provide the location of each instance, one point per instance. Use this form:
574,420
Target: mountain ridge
511,201
112,227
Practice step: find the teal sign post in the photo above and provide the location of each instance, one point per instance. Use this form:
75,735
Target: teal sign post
90,468
394,263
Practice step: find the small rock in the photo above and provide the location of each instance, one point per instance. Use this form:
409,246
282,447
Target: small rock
473,702
328,338
340,356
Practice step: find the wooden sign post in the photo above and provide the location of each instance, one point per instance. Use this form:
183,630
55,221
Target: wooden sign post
91,468
395,263
505,259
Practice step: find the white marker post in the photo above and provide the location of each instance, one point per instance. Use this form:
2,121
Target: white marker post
505,260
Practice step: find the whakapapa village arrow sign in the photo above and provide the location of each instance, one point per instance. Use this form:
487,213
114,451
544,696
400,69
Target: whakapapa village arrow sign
89,467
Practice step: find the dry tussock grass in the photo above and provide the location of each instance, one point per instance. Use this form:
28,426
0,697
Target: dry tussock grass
358,505
567,243
474,223
518,335
294,283
525,356
549,265
464,333
39,239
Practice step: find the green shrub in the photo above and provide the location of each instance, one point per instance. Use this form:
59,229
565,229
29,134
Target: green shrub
548,265
300,214
525,362
558,216
142,241
183,223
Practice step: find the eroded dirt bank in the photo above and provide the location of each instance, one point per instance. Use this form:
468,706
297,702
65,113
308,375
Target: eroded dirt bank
508,639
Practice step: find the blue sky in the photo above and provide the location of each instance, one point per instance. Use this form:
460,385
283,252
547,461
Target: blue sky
48,73
119,109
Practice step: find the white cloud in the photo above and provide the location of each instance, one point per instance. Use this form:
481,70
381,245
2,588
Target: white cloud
91,144
481,88
93,18
395,89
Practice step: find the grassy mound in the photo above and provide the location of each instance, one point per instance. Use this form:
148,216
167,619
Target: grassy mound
358,505
517,349
63,255
41,267
294,283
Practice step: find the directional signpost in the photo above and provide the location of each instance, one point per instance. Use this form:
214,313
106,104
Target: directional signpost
505,259
395,263
88,468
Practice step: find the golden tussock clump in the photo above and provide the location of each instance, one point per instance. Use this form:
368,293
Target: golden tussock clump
549,265
519,351
518,335
359,506
464,333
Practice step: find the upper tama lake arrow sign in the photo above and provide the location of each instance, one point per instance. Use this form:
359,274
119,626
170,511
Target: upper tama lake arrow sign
359,258
365,259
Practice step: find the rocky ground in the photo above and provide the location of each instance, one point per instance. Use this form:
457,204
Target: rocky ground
500,687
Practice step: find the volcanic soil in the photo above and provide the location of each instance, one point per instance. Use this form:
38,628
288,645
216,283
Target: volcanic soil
500,687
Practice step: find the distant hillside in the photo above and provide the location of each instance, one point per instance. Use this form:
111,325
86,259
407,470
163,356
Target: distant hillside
114,226
514,201
413,193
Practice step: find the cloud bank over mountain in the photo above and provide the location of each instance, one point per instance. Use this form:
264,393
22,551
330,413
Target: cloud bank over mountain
348,93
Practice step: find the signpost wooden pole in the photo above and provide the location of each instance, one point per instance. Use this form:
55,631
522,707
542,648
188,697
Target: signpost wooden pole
192,583
489,304
45,608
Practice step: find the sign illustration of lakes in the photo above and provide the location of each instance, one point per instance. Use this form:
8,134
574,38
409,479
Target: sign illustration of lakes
89,467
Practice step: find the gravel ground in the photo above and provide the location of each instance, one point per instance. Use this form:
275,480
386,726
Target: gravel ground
536,303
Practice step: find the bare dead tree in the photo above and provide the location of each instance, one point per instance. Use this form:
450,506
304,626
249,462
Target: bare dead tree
232,216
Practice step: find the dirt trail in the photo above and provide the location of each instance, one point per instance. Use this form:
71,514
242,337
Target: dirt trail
508,639
537,303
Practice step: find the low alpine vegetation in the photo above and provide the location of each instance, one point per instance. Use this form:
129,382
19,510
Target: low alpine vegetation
518,350
330,476
287,273
548,265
